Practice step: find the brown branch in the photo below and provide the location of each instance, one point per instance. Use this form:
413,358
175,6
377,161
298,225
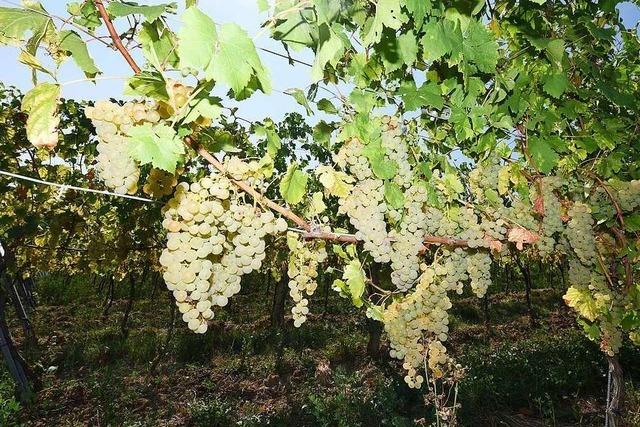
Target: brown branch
114,36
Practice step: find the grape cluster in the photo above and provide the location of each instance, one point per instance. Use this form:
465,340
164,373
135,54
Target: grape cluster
350,158
365,208
396,150
628,195
112,121
304,259
579,232
417,325
213,238
479,269
552,224
408,240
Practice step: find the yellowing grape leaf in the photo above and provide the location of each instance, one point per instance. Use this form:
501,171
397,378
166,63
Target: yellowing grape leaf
336,183
354,278
41,104
581,300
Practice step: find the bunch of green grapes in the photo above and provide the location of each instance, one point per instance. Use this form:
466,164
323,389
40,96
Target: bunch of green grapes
438,224
396,150
254,172
471,230
115,166
484,177
408,240
628,195
479,270
552,224
415,322
350,158
213,239
159,183
365,207
579,232
304,259
454,263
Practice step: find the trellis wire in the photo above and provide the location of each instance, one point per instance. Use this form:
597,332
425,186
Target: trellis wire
64,187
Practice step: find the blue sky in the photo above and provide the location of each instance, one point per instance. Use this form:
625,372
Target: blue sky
243,12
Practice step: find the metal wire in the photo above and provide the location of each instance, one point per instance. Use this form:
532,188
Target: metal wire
64,187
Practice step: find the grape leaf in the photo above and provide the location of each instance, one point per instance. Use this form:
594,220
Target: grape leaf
581,300
158,44
389,15
480,47
337,183
418,10
381,167
31,61
354,278
197,39
73,43
293,185
556,84
85,14
236,60
427,95
41,103
555,52
204,106
327,106
442,37
148,84
393,195
329,51
15,23
151,12
158,145
397,51
300,98
542,154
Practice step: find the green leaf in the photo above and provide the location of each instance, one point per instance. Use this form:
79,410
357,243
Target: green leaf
389,15
397,51
148,84
31,61
204,106
197,39
218,140
393,195
418,10
555,52
325,105
268,131
120,8
381,167
158,44
542,154
632,222
322,133
15,23
353,275
85,14
556,84
236,60
300,98
442,37
41,104
327,10
158,145
428,95
452,184
480,47
73,43
328,52
293,186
